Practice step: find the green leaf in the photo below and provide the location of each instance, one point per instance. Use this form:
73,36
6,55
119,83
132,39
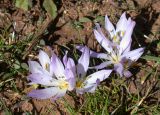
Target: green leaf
151,58
50,7
23,4
24,66
99,19
42,42
16,65
84,19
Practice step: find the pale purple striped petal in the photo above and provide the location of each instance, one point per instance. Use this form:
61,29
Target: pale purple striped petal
98,28
133,55
122,23
90,89
92,53
71,65
119,69
60,94
80,48
99,75
103,41
34,67
109,27
42,79
91,82
56,66
102,65
44,93
70,78
127,49
83,63
127,37
44,59
99,55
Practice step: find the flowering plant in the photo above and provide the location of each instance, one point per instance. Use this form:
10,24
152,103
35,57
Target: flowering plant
52,74
58,78
117,45
88,83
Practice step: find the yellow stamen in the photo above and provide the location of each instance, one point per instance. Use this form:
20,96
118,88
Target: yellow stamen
47,66
115,59
63,85
35,86
115,38
79,84
122,33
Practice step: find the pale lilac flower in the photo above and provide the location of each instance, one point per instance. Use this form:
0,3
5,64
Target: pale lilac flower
88,83
52,75
117,45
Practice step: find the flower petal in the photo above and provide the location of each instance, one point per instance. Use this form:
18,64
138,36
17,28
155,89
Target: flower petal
102,65
34,67
119,69
99,30
70,78
128,48
109,27
83,63
56,66
100,75
71,65
103,41
91,82
92,53
122,23
44,93
60,94
90,88
133,55
99,55
44,59
127,37
42,79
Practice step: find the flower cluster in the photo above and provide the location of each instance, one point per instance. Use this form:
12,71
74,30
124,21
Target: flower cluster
117,46
57,77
